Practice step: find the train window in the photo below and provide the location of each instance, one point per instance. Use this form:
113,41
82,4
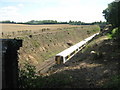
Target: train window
76,49
71,53
81,47
66,57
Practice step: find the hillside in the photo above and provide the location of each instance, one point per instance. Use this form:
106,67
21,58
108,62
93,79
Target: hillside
96,66
90,70
41,42
41,47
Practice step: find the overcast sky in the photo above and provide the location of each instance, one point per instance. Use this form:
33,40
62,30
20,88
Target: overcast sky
60,10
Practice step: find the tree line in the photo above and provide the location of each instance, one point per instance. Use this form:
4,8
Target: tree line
41,22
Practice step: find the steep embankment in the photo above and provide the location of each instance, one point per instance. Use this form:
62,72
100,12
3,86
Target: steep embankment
41,46
90,68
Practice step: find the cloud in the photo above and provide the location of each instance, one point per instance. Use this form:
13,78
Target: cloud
61,10
20,5
74,12
33,1
9,13
9,10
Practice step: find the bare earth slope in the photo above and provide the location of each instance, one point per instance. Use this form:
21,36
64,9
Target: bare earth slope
88,69
41,42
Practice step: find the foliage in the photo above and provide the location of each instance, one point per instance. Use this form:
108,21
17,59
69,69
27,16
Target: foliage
28,78
7,21
75,22
83,23
100,23
115,34
112,14
41,22
114,82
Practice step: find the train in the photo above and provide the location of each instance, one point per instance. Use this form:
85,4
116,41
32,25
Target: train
68,53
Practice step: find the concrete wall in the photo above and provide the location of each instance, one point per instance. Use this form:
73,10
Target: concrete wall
9,62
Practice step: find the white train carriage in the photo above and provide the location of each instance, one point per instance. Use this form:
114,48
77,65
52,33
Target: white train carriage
65,55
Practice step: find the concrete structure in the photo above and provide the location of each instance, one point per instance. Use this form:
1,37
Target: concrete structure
9,62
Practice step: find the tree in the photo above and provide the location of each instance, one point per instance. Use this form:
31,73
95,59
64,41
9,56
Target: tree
7,21
112,14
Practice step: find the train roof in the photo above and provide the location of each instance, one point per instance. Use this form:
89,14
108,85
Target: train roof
71,49
74,47
67,51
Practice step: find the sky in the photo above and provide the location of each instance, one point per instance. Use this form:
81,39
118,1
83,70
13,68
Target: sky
60,10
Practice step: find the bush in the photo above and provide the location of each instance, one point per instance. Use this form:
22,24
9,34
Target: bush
115,34
27,76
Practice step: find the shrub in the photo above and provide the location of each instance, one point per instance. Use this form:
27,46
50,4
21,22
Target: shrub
115,34
27,76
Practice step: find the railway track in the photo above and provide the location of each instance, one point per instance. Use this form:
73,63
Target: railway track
47,65
44,67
